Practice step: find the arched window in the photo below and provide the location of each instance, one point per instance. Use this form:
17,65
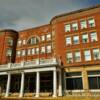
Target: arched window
33,40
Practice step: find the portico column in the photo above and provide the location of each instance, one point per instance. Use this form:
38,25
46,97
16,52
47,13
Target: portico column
22,85
54,83
37,84
8,85
60,83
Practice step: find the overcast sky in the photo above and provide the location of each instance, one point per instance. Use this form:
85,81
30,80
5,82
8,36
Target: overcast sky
22,14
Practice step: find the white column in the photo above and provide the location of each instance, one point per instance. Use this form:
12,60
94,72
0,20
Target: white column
22,85
8,85
37,84
60,83
54,83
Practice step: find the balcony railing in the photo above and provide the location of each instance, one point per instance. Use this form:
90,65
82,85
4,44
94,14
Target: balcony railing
35,63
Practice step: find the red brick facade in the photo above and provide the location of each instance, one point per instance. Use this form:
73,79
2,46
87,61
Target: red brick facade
57,39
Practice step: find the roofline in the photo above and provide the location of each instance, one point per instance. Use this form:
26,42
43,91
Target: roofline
34,27
74,12
2,30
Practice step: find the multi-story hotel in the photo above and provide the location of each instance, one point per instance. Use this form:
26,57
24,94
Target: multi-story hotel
60,58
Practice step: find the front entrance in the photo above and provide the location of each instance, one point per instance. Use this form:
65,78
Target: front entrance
3,82
30,83
15,83
46,81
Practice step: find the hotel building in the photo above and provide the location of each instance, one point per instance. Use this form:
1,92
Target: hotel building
57,59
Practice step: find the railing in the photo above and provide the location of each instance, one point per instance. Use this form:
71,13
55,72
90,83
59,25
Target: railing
37,62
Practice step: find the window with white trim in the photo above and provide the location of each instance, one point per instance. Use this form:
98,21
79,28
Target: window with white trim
76,39
48,37
85,38
69,57
43,49
96,54
37,50
9,52
24,42
68,40
48,48
67,28
10,41
93,36
33,51
18,53
23,52
74,26
29,52
91,22
83,24
19,43
43,38
77,56
87,55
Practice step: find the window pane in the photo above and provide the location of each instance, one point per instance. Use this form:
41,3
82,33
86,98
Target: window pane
68,40
49,49
69,57
67,28
43,49
93,83
48,37
91,22
74,83
93,36
77,56
87,55
33,51
76,39
74,26
10,41
83,24
85,38
96,53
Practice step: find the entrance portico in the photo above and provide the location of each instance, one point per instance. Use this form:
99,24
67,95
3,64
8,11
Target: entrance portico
38,72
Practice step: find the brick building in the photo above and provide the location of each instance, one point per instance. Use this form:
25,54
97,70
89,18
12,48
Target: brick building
56,59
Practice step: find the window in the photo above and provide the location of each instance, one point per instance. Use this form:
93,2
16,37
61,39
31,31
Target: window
74,81
29,52
76,39
9,52
43,49
48,37
91,22
19,42
10,41
83,24
74,26
33,40
23,52
87,55
43,38
77,56
69,57
37,50
85,38
93,36
49,49
94,79
18,53
24,42
33,51
68,41
67,28
96,53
